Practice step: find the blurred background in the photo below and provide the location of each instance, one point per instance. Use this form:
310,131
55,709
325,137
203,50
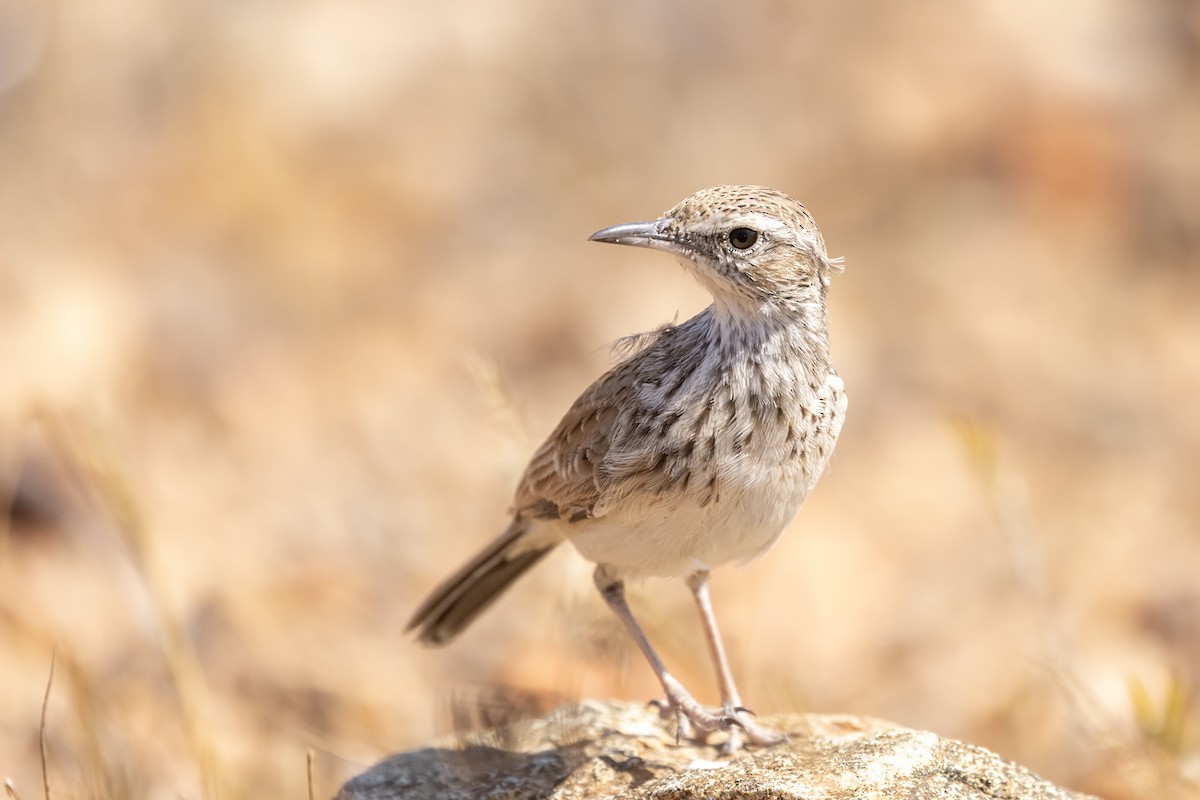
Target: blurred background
290,291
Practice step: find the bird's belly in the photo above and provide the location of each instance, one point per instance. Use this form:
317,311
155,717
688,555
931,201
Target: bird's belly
676,536
731,508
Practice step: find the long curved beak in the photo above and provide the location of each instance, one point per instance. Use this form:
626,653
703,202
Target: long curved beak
640,234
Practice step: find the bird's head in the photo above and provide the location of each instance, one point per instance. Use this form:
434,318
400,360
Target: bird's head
757,250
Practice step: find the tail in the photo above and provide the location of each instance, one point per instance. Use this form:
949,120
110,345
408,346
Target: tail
464,595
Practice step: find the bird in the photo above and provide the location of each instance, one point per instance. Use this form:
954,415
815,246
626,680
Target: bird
696,449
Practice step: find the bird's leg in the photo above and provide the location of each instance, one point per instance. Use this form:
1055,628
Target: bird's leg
685,706
730,699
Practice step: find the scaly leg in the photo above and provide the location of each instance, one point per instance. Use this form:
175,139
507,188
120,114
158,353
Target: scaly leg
686,706
730,699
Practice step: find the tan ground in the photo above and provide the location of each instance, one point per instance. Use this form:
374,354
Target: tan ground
288,292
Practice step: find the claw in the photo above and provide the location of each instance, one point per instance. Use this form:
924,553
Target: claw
694,721
731,721
759,735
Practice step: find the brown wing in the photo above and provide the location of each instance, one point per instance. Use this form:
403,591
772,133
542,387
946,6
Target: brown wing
613,439
563,478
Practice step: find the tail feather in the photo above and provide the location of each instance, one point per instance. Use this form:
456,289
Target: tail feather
459,599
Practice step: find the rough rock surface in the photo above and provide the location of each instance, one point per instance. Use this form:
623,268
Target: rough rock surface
617,750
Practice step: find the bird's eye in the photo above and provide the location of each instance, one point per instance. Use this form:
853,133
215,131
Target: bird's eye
743,238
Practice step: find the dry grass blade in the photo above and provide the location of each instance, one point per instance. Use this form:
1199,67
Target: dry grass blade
93,458
1162,720
504,411
312,795
42,725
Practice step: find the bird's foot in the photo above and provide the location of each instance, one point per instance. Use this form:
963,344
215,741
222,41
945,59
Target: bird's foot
694,721
748,730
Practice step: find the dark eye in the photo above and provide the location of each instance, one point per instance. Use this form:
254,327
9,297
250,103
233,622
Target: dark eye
743,238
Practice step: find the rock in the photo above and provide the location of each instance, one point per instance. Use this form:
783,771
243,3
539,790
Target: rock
619,750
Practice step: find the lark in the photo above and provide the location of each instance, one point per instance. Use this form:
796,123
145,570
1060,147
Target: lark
697,449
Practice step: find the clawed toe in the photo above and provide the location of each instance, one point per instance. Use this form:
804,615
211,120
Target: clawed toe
748,730
695,721
689,712
664,707
761,736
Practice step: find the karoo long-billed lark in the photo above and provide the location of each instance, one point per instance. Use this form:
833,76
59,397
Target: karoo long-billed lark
698,448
